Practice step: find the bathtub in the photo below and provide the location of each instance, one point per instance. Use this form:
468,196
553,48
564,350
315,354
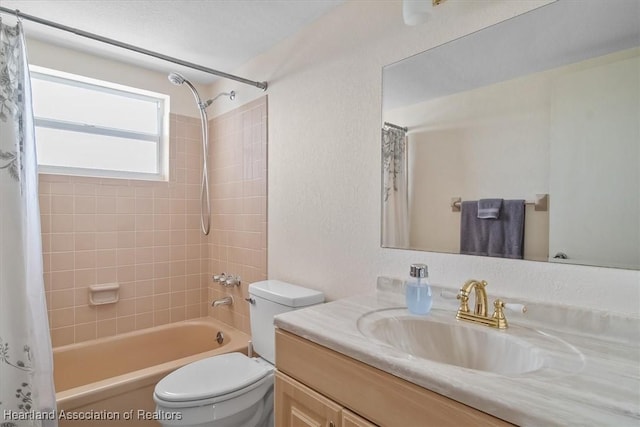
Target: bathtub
110,381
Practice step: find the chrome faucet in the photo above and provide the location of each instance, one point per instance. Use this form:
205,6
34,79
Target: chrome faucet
479,315
222,301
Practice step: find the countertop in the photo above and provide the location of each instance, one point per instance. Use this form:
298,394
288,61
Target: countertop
600,387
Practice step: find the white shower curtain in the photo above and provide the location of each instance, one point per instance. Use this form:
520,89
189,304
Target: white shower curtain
27,396
395,203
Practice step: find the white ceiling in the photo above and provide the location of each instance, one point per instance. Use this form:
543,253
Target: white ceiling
219,34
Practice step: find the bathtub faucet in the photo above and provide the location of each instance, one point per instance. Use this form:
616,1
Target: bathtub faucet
228,280
222,301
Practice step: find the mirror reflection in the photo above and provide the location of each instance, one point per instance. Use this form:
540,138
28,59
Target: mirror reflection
520,140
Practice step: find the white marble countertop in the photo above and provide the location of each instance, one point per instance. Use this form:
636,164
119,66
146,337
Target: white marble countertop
601,387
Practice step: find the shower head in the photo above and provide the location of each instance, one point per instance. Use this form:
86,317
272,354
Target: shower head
176,79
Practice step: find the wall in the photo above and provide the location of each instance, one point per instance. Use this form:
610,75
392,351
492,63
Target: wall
238,176
146,235
324,161
595,122
101,68
143,235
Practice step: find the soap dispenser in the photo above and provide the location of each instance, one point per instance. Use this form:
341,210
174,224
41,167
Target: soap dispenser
417,290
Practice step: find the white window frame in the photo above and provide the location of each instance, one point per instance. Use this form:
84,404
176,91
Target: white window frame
161,137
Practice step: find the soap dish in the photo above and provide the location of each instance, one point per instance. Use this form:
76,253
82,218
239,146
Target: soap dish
104,294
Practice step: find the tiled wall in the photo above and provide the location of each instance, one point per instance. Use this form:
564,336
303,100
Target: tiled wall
146,236
238,239
143,235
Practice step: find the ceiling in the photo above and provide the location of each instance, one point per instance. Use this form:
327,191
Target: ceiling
219,34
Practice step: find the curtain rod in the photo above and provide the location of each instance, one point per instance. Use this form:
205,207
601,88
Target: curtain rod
17,13
391,125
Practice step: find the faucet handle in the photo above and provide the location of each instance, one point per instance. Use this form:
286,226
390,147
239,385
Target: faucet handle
448,295
516,308
464,301
232,281
220,277
498,314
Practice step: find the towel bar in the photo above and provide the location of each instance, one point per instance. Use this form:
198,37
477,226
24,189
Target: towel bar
540,204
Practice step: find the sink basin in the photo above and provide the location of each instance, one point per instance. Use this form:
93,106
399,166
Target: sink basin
439,337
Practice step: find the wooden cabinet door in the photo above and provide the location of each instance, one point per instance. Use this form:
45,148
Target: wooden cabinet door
349,419
296,405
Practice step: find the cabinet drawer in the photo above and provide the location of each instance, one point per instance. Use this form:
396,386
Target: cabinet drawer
298,406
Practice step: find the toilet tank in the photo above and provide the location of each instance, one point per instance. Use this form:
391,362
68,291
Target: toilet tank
269,298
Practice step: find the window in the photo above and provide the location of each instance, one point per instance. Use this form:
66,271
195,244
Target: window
93,128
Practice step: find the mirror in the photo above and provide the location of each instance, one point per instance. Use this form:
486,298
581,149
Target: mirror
543,104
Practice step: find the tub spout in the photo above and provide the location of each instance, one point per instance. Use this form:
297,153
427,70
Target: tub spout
222,301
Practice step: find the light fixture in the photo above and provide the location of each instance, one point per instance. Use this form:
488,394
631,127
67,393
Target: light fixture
417,12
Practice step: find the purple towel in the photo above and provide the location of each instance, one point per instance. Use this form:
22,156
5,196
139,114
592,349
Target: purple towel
503,237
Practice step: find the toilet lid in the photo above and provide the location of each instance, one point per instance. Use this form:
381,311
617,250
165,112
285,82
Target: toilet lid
210,377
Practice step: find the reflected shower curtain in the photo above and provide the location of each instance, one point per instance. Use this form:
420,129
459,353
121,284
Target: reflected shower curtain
395,202
26,382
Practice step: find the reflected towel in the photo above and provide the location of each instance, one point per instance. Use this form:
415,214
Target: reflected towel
503,237
489,208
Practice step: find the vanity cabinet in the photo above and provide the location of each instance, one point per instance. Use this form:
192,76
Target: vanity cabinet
316,386
297,405
349,419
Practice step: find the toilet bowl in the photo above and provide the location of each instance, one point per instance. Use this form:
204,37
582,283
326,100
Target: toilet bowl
223,391
233,390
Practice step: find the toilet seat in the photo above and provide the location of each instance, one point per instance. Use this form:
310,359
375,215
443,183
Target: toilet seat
212,380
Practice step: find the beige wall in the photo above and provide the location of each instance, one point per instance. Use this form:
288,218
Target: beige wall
324,161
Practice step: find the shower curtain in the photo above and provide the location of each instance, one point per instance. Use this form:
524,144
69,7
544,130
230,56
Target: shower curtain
27,396
395,203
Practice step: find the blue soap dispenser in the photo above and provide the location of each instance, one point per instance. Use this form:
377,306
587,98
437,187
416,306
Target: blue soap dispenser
417,290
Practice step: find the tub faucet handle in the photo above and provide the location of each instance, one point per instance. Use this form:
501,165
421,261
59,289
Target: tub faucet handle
220,278
232,281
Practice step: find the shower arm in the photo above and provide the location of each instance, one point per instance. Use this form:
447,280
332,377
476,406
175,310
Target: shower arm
208,102
92,36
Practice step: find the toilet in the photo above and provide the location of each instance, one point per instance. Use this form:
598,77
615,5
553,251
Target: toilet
233,390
